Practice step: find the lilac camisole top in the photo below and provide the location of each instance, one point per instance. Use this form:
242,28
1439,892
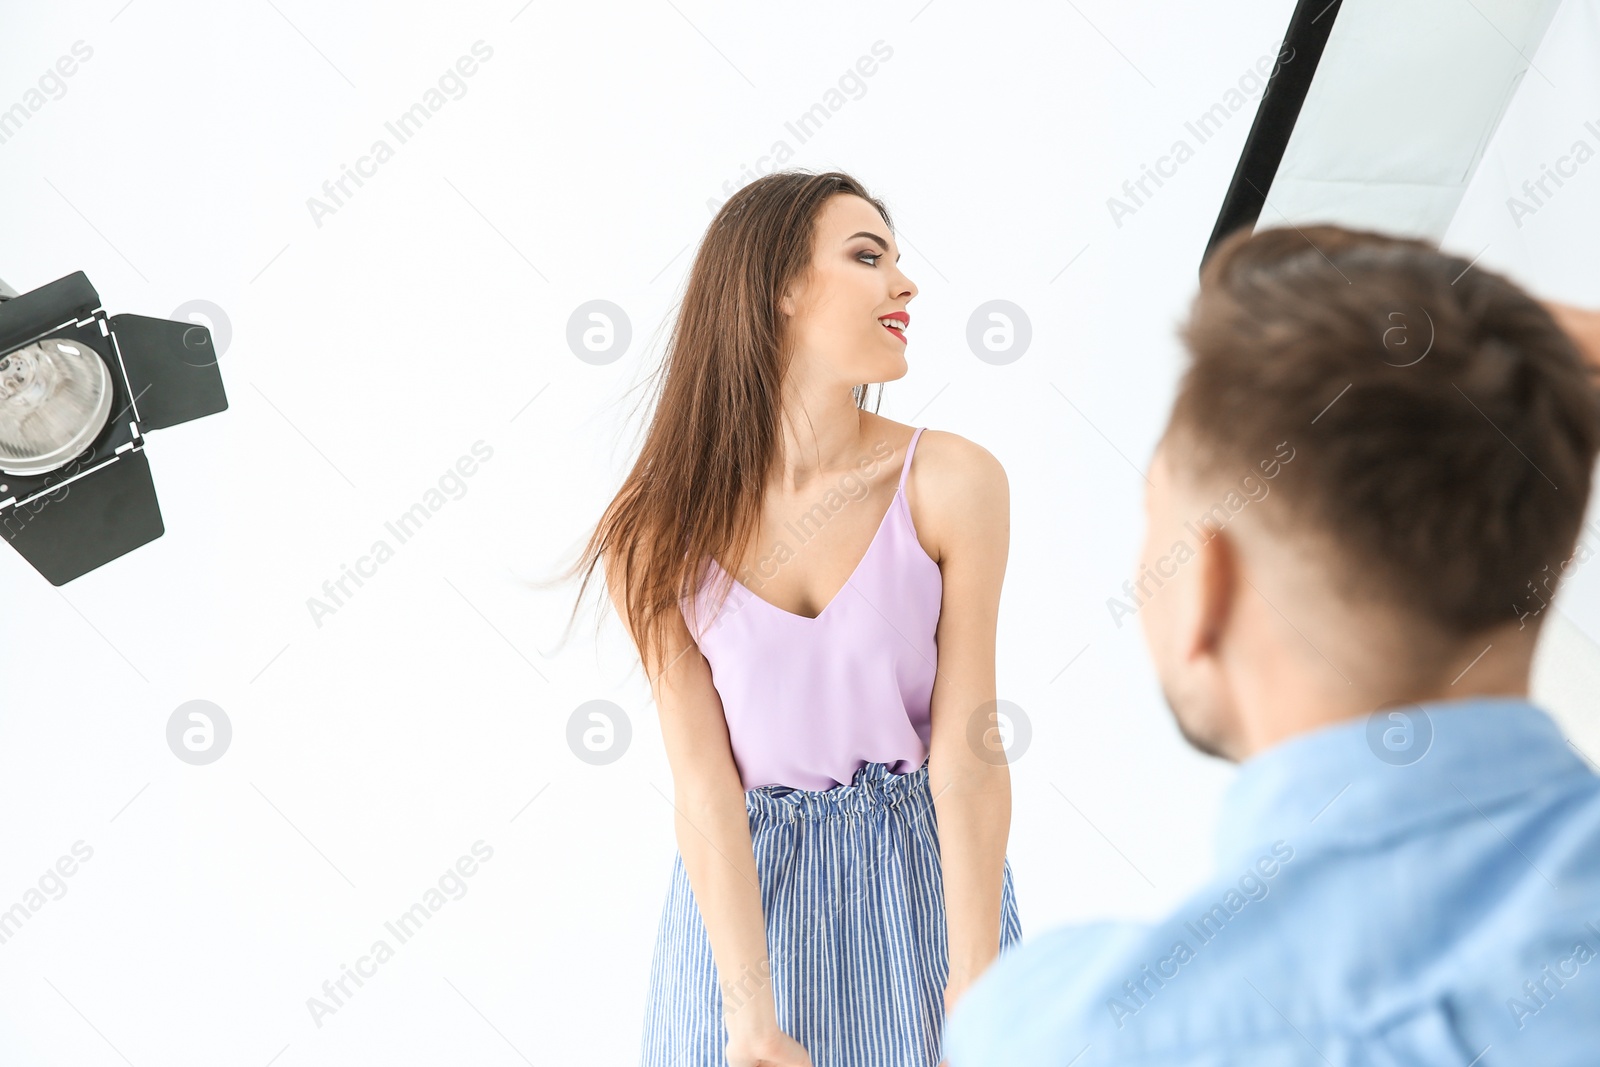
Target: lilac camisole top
809,701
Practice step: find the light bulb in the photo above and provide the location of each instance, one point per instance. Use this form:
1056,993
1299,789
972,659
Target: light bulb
55,397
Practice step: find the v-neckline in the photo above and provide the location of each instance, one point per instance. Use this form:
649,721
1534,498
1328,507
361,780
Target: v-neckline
894,502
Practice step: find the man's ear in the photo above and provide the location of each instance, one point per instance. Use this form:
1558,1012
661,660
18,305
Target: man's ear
1209,601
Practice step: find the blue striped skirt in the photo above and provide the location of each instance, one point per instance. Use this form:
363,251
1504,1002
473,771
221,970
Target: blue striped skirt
853,897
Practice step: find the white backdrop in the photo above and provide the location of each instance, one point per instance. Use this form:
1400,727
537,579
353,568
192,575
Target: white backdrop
419,321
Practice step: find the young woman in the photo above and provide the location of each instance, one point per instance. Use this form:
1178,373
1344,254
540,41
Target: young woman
817,615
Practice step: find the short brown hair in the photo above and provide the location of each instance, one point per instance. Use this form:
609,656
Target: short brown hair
1445,428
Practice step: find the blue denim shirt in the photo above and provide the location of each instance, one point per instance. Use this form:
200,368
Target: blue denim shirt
1420,887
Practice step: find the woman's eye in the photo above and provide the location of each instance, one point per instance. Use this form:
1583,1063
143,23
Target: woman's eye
875,257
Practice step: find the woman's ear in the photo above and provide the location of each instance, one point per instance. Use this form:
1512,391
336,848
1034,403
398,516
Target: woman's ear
789,302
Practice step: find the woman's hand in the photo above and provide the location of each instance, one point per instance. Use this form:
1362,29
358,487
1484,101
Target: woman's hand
962,974
953,991
770,1048
955,987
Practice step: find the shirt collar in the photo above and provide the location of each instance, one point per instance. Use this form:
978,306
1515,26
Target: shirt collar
1381,776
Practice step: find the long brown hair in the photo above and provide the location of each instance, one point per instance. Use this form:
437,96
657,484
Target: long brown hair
695,490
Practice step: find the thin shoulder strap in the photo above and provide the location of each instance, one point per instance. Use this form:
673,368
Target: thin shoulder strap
912,447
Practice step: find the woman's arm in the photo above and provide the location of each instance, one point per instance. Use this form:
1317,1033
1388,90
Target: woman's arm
1583,325
713,834
968,499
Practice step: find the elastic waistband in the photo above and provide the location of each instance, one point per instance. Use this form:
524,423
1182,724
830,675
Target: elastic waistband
873,787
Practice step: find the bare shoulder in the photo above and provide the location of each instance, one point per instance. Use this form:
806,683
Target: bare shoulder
958,493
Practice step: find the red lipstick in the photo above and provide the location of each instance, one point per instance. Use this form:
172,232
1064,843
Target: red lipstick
902,318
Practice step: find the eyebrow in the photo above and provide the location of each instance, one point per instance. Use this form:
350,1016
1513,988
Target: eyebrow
872,237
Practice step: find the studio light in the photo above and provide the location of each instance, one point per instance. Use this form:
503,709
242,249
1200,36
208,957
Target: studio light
1379,114
78,392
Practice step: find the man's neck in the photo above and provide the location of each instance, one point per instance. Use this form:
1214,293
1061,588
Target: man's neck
1286,710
